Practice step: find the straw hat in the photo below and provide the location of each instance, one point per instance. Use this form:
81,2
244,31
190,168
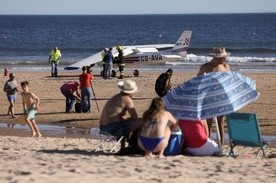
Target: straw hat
128,86
219,53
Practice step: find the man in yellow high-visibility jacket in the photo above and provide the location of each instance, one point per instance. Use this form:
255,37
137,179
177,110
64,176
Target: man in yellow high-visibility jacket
54,58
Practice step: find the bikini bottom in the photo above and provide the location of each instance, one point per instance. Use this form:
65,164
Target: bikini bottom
150,143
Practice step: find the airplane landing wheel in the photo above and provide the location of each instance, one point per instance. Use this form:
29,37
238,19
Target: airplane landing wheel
113,74
136,73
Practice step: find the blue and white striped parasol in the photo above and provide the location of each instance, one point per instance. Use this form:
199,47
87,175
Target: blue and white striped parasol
211,95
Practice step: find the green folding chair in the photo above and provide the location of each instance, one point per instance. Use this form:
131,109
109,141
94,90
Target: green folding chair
243,129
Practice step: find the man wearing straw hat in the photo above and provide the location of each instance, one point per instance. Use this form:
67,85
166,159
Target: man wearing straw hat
114,118
217,64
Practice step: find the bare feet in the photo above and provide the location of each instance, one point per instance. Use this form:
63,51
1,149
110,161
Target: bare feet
148,155
34,134
161,156
39,135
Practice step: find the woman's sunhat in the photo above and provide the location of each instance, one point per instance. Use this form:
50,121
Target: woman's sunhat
219,52
128,86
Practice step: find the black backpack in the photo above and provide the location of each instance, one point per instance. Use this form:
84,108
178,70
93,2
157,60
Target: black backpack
161,85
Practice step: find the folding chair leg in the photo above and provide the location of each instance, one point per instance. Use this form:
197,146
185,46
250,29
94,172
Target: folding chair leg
264,153
262,149
108,138
114,147
232,153
101,145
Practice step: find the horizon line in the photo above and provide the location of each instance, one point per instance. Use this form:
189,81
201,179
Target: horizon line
209,13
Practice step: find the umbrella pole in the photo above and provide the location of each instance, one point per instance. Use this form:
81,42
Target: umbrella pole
218,132
95,98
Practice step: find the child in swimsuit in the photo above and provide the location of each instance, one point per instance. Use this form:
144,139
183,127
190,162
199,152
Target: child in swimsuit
156,131
30,106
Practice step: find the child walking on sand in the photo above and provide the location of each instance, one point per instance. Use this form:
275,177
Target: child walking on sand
30,107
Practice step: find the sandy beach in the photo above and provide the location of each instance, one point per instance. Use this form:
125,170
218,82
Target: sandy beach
63,158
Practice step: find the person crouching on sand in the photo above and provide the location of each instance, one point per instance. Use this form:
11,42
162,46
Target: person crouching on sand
30,107
156,131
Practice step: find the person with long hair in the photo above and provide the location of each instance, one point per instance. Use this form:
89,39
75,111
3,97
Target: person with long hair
156,132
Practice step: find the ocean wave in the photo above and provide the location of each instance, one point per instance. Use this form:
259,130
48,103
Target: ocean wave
191,58
241,52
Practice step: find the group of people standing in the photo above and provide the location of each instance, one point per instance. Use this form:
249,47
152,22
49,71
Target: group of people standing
108,60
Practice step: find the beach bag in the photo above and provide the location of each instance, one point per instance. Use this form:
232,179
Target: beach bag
161,85
78,107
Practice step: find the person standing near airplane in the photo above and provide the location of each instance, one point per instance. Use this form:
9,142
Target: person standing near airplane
121,61
54,58
103,54
108,64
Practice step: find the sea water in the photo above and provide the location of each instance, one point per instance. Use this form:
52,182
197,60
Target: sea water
25,41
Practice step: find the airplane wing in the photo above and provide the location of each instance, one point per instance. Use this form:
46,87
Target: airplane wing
128,50
87,61
93,59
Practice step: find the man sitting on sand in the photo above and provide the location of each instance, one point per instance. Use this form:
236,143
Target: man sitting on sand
30,106
114,117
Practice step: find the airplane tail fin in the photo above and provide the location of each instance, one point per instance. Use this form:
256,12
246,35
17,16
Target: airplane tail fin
182,43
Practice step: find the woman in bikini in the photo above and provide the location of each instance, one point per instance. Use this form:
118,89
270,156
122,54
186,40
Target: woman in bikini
156,131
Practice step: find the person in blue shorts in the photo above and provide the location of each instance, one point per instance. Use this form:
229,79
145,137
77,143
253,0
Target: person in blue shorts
114,118
10,88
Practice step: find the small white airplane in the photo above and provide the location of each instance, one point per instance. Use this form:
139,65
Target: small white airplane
143,54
